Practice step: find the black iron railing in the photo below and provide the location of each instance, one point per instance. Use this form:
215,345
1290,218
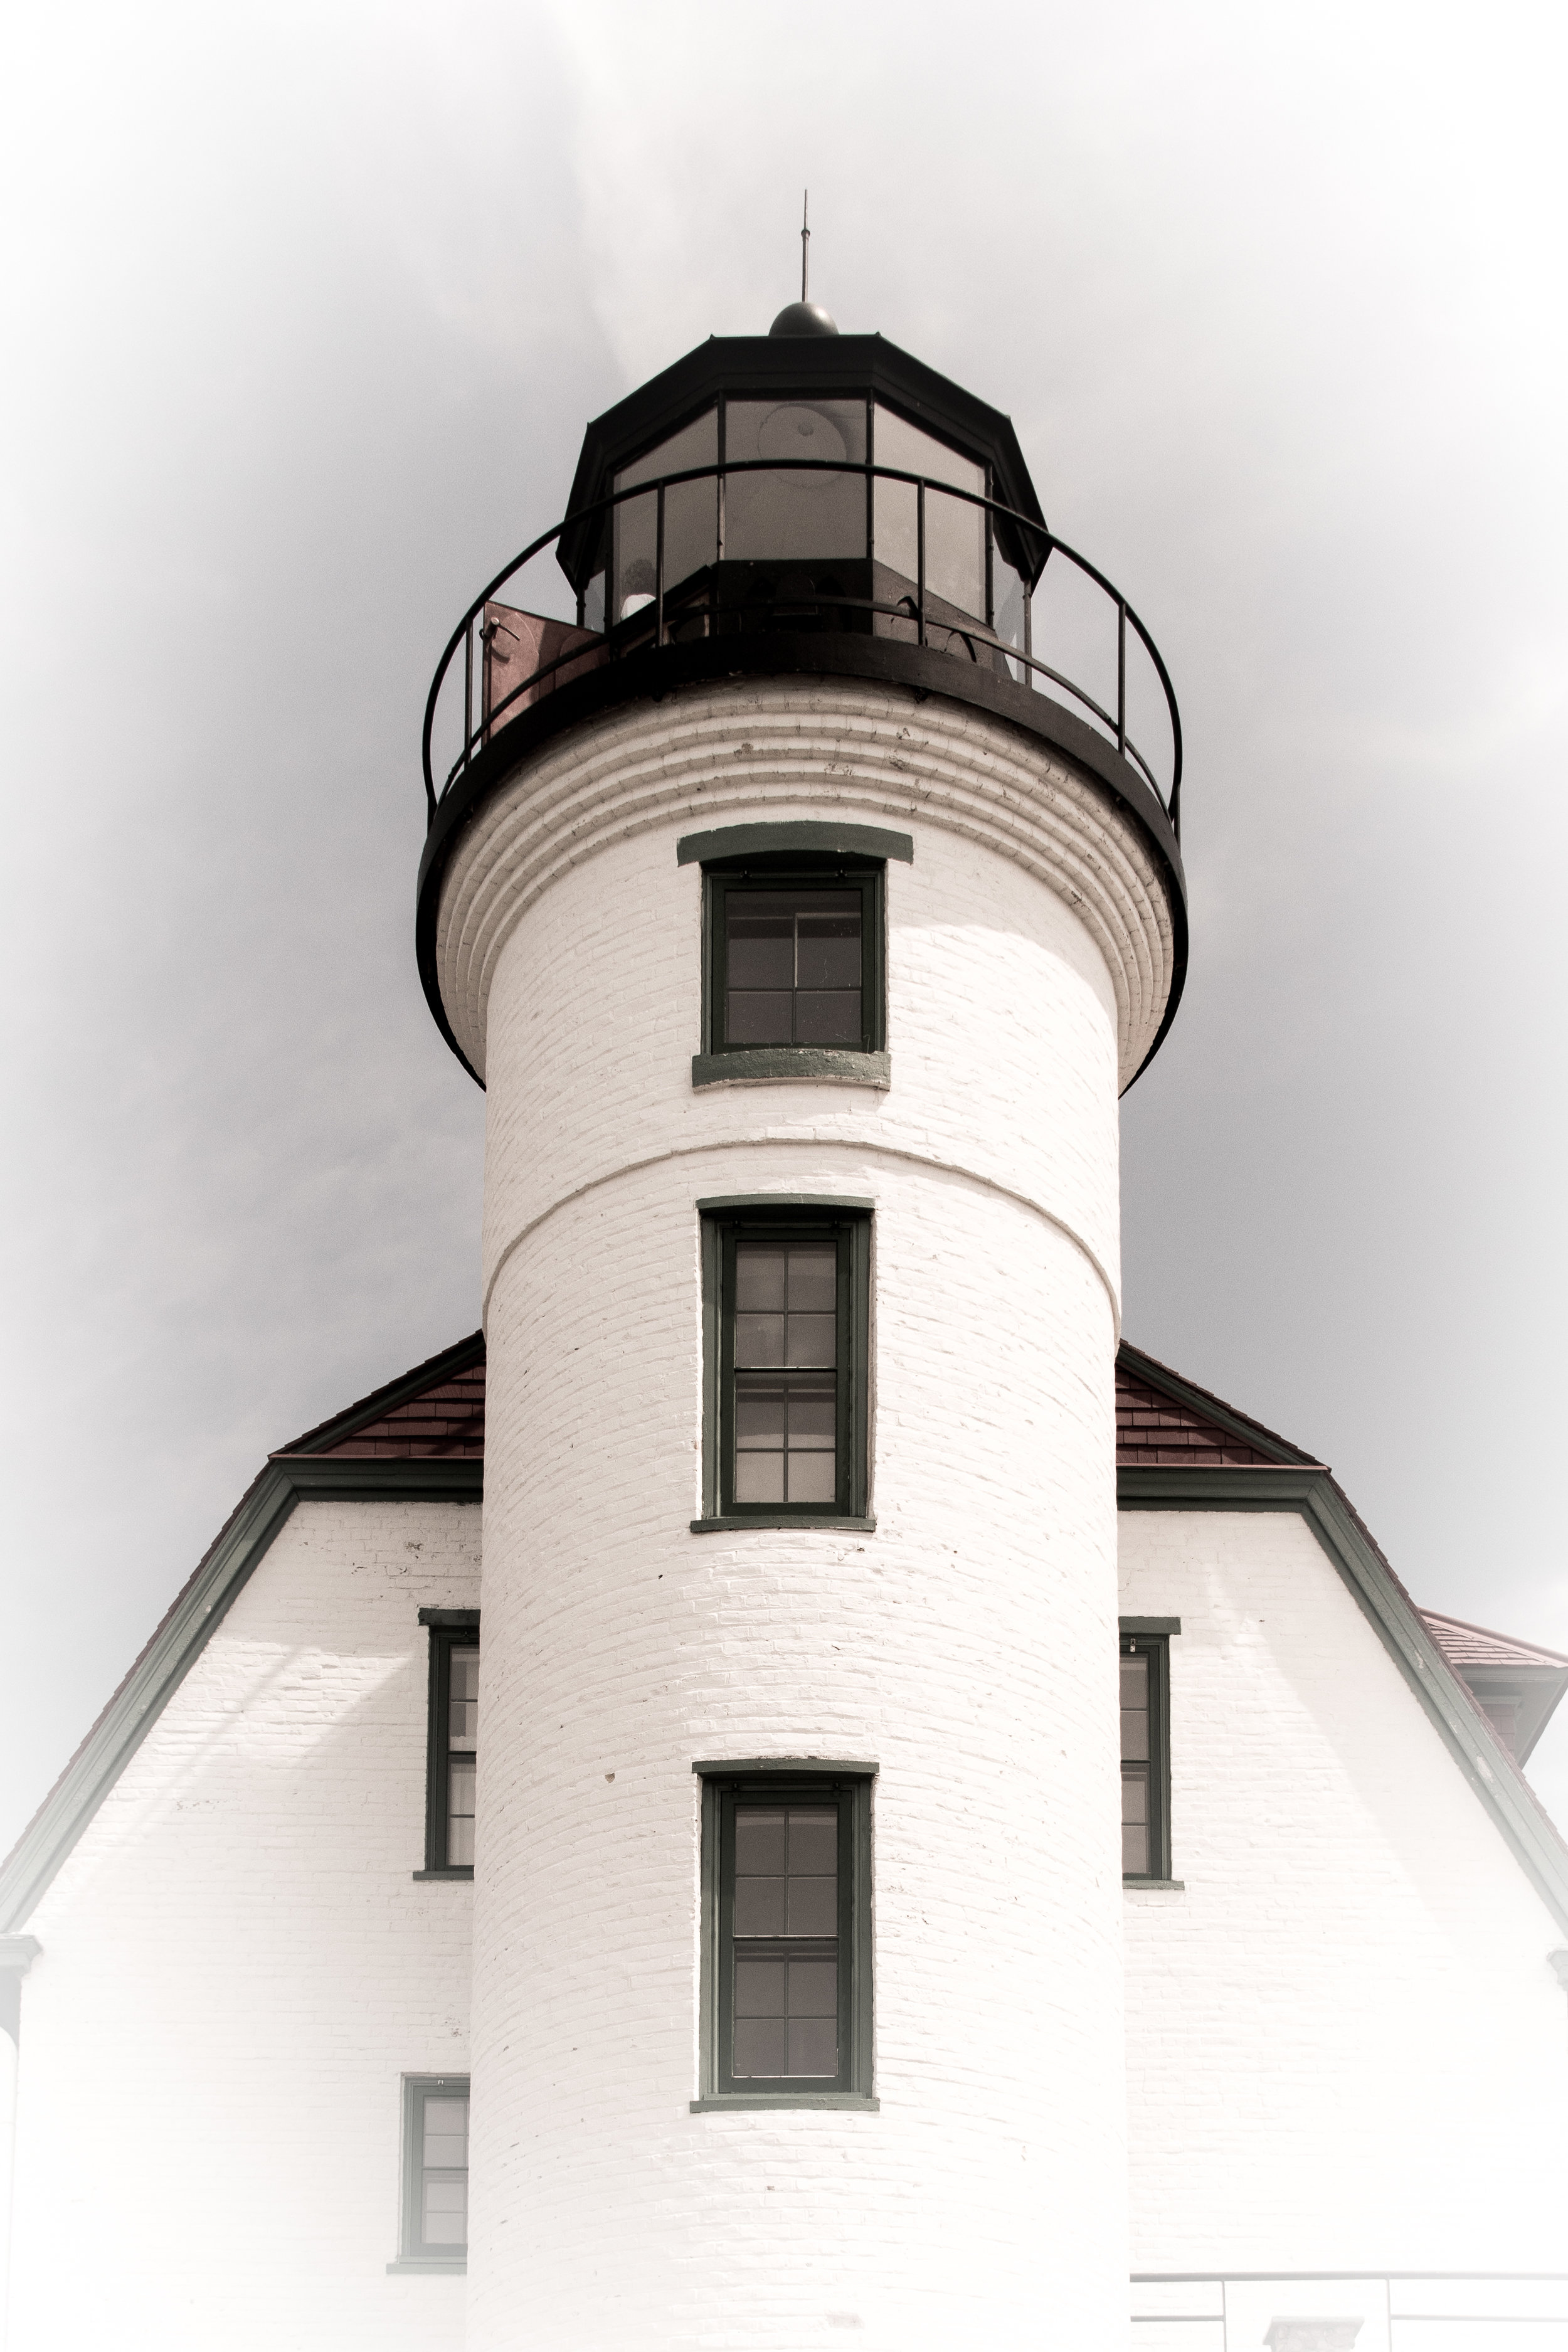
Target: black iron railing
677,610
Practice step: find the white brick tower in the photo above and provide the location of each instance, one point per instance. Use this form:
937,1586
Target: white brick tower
803,923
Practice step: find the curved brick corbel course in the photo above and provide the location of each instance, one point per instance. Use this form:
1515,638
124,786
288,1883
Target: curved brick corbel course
855,749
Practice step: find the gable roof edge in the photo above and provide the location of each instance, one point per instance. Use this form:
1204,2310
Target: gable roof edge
1384,1600
184,1631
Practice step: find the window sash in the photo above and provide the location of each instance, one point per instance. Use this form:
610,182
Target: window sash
849,1235
1146,1779
723,885
449,2181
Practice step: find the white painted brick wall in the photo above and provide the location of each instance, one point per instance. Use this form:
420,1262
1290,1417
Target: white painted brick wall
1345,2048
968,1644
237,1967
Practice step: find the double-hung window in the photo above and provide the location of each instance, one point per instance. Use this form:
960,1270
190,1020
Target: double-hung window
787,1951
794,952
1146,1748
787,1311
452,1764
434,2232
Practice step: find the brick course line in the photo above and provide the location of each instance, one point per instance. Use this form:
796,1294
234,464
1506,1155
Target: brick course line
877,1150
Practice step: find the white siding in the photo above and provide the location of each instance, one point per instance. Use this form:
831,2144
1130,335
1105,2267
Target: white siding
237,1967
1346,2050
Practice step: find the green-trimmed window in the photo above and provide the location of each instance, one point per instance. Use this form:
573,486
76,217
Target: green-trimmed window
1145,1755
794,955
435,2172
788,1305
452,1762
787,1959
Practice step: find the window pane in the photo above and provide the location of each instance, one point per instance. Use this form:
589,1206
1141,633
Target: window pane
760,1478
796,516
463,1700
759,1277
813,1987
812,1339
759,2047
955,531
759,1415
813,1276
759,1907
690,514
759,1017
760,1988
828,1017
813,1841
446,2132
1135,1822
1135,1709
828,954
813,2046
813,1415
445,2221
460,1812
759,1339
812,1479
759,1838
761,947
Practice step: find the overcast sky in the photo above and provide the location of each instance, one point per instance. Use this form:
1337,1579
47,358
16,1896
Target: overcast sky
307,306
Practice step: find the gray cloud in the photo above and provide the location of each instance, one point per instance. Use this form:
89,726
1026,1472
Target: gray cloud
307,308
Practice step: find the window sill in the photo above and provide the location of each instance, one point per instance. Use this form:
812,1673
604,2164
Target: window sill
1156,1885
456,1870
806,1519
767,1065
454,2266
775,2101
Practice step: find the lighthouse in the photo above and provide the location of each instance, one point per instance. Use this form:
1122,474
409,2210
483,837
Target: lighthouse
803,903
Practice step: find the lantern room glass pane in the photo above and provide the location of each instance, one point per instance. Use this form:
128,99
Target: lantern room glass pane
690,517
795,516
955,531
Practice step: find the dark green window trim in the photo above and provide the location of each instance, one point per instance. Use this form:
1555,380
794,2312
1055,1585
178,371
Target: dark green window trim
414,2253
756,1065
451,1629
1149,1638
785,1780
787,1218
792,839
737,876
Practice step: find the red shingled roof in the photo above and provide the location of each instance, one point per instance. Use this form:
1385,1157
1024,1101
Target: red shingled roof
1466,1645
437,1412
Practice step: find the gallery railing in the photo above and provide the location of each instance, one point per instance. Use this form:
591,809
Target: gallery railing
673,611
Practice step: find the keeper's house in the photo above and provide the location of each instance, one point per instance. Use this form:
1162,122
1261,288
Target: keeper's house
616,1849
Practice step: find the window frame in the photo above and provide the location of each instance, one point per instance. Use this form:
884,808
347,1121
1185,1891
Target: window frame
413,2253
786,869
451,1629
786,1218
788,1780
1149,1637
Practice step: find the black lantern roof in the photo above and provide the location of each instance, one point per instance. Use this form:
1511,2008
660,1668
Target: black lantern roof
798,367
